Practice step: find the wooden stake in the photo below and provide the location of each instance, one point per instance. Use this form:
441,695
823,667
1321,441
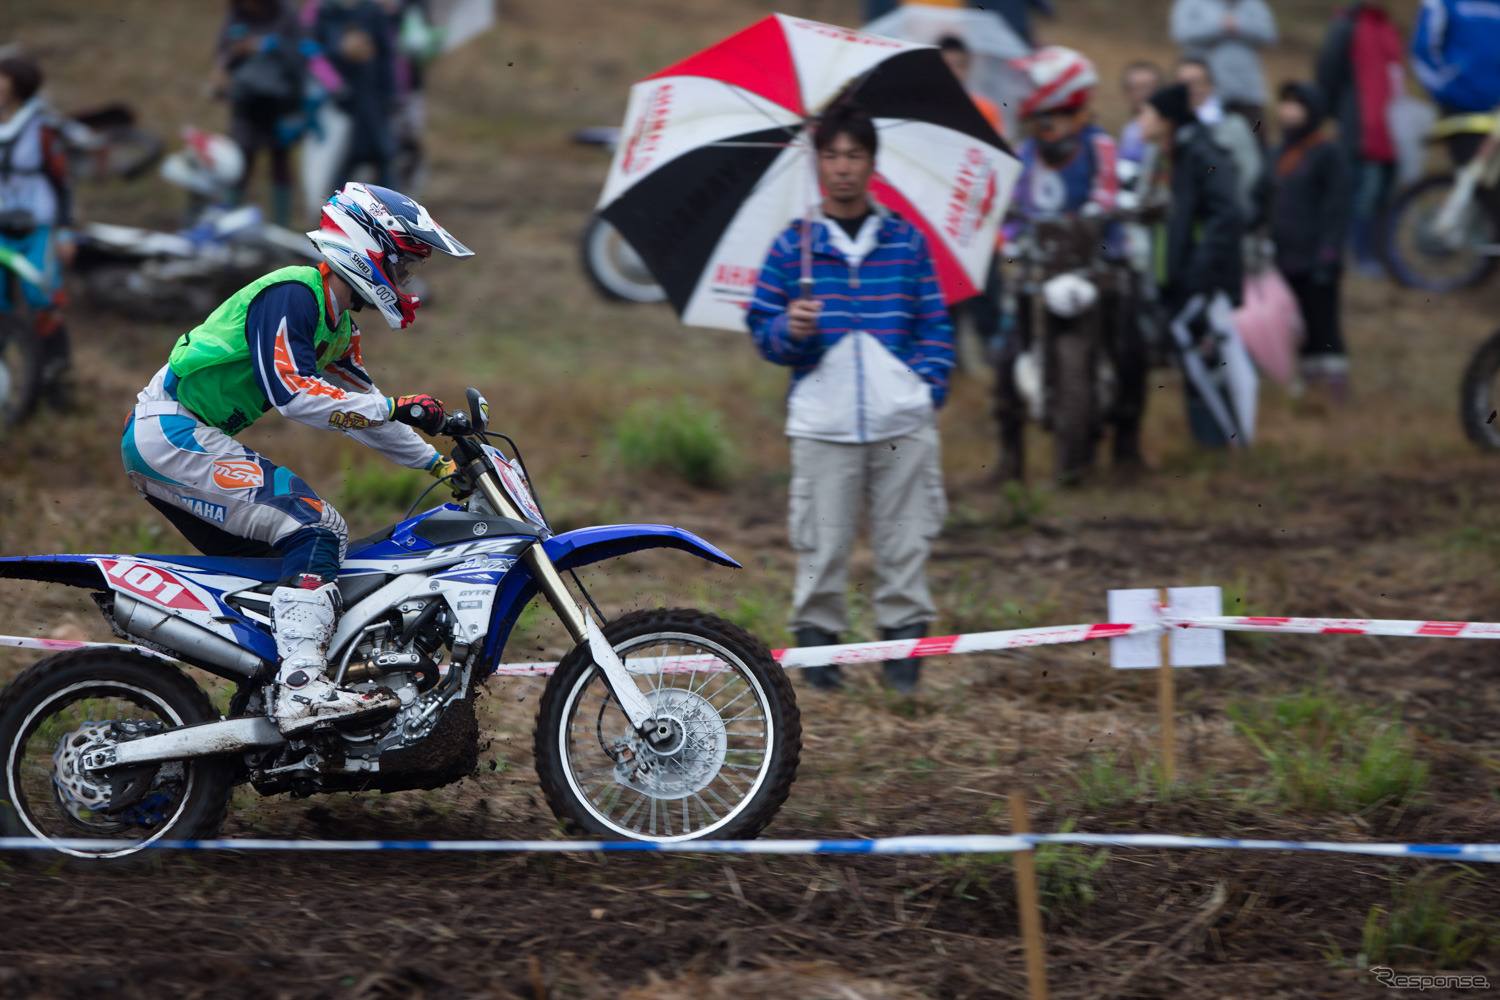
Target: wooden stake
1166,704
1029,906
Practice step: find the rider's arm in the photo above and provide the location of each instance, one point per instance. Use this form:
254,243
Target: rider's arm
397,442
775,288
55,166
932,329
279,326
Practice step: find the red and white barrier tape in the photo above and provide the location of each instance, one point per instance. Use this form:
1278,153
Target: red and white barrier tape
874,652
1343,626
63,645
972,642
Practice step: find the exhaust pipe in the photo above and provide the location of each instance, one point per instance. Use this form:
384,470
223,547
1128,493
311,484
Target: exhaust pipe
197,644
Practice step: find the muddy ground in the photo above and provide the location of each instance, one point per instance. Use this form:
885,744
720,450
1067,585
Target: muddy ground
1375,509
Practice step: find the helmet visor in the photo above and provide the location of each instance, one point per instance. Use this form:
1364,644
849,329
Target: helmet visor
402,267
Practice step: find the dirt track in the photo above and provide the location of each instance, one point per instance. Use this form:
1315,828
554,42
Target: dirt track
1378,510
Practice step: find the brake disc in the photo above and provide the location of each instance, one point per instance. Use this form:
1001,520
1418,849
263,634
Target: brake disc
689,758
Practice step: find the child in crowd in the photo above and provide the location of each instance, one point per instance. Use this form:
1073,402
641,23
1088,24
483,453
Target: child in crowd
1309,221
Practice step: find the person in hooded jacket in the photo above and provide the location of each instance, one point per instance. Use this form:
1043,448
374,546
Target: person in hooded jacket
1309,220
1200,263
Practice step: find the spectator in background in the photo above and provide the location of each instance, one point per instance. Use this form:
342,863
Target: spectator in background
870,347
357,37
1016,14
1454,53
1232,134
1308,220
418,44
1227,34
1360,75
1138,82
955,52
258,68
36,214
1202,268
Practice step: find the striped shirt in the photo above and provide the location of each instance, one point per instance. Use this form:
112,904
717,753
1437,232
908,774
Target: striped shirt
892,294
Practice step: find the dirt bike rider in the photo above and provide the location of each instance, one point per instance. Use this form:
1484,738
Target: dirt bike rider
287,341
1068,170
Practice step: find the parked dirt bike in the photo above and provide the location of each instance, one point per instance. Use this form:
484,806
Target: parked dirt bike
183,276
1074,352
117,745
20,350
1479,395
611,263
1442,233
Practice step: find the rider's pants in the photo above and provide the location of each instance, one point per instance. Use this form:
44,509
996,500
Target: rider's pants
223,497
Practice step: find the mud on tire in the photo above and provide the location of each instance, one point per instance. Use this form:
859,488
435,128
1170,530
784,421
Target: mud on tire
572,703
30,803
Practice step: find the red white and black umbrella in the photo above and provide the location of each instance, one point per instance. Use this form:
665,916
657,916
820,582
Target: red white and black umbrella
714,159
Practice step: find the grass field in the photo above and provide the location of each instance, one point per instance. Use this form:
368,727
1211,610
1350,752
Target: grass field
1377,509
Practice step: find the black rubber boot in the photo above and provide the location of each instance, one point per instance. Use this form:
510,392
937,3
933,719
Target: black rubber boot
56,361
829,678
901,675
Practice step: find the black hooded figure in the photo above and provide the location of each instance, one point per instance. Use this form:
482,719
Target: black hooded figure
1309,222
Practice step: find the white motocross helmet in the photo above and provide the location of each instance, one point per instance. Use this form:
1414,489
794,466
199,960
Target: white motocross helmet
375,239
208,164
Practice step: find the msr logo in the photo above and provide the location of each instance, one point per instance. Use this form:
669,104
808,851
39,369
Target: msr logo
152,584
238,475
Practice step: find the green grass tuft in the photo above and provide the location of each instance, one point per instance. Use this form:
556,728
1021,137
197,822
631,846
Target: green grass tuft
1422,927
1327,754
680,438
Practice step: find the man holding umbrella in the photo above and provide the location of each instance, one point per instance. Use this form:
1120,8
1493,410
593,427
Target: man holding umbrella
852,305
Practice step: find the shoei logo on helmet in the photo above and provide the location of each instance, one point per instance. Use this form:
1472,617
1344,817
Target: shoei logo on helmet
238,475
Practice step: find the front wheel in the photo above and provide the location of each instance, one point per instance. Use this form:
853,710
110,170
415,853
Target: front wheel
1479,398
20,369
1419,257
58,710
1075,413
736,733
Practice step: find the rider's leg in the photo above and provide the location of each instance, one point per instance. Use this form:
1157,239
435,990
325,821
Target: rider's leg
1127,349
1010,408
45,303
243,502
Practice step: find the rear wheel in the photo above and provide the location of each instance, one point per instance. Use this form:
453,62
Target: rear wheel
614,266
735,733
58,710
1479,398
1418,257
20,369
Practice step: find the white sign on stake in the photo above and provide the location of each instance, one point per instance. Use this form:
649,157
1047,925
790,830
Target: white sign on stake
1190,647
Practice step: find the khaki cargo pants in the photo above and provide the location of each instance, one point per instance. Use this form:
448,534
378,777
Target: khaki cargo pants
900,483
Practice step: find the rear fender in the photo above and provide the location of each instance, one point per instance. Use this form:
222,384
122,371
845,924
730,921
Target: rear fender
580,548
71,571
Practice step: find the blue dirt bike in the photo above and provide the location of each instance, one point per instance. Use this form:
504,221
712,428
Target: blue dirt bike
662,725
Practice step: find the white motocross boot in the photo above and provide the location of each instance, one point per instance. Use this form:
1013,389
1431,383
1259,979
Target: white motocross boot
305,698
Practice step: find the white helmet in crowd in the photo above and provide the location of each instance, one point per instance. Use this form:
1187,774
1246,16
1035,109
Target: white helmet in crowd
208,164
375,239
1062,79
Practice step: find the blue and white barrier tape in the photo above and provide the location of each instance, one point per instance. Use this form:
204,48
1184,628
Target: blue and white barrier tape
977,844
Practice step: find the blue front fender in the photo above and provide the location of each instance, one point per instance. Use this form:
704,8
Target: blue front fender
579,548
589,545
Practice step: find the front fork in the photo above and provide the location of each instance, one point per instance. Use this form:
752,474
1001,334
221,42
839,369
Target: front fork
579,623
